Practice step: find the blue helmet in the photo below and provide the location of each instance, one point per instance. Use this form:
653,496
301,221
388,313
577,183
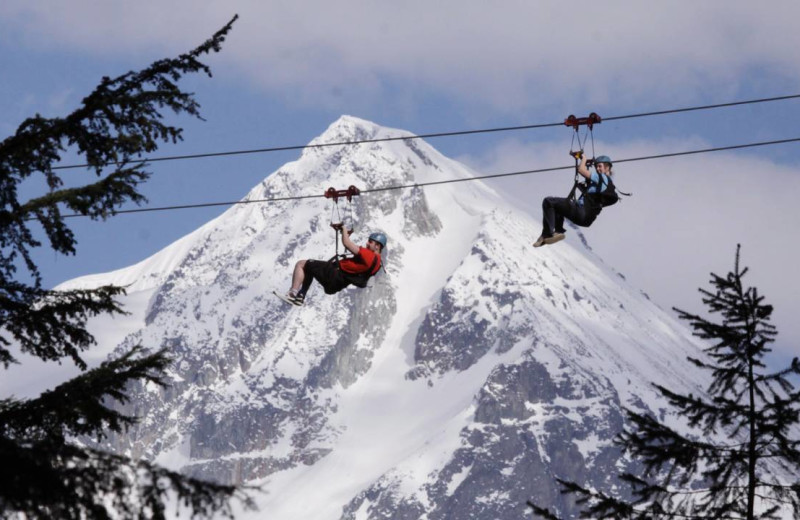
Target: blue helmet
603,159
379,238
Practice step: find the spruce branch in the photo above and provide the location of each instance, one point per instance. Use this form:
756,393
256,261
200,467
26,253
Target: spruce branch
52,324
78,407
46,472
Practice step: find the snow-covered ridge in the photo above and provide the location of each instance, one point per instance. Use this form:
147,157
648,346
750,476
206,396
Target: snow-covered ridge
147,274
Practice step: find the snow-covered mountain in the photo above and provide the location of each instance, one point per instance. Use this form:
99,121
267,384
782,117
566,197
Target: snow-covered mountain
469,375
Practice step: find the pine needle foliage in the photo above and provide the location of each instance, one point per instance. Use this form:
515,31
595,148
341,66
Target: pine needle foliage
46,471
742,458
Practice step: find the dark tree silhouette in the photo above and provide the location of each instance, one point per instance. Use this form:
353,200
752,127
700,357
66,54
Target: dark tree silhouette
46,472
741,461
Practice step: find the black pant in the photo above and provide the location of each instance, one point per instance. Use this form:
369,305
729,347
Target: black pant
327,274
555,209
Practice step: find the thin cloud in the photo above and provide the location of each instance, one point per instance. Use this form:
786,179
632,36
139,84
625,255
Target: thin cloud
507,56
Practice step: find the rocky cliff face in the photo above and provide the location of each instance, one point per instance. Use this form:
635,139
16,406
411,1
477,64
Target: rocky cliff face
469,375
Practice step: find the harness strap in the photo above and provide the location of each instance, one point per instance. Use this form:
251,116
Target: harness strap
372,265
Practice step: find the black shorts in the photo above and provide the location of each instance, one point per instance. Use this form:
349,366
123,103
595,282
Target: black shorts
327,274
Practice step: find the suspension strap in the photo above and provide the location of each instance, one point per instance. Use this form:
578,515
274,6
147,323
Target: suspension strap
337,222
577,156
575,123
589,122
336,256
334,194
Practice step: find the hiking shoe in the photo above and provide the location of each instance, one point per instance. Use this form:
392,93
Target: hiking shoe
540,241
557,237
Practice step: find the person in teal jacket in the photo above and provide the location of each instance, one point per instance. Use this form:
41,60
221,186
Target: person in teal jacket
581,212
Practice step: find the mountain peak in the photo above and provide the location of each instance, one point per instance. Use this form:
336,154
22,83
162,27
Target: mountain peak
382,157
350,128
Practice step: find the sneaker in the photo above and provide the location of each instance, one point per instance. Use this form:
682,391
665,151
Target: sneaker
540,241
557,237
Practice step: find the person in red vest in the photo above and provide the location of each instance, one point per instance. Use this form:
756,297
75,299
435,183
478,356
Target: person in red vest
337,274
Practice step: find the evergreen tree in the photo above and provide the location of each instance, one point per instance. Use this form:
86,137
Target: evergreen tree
46,472
741,461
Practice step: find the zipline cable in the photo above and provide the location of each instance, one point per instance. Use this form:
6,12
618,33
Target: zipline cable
449,181
706,107
437,134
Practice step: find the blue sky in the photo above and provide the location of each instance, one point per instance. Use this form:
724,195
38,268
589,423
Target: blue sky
289,69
